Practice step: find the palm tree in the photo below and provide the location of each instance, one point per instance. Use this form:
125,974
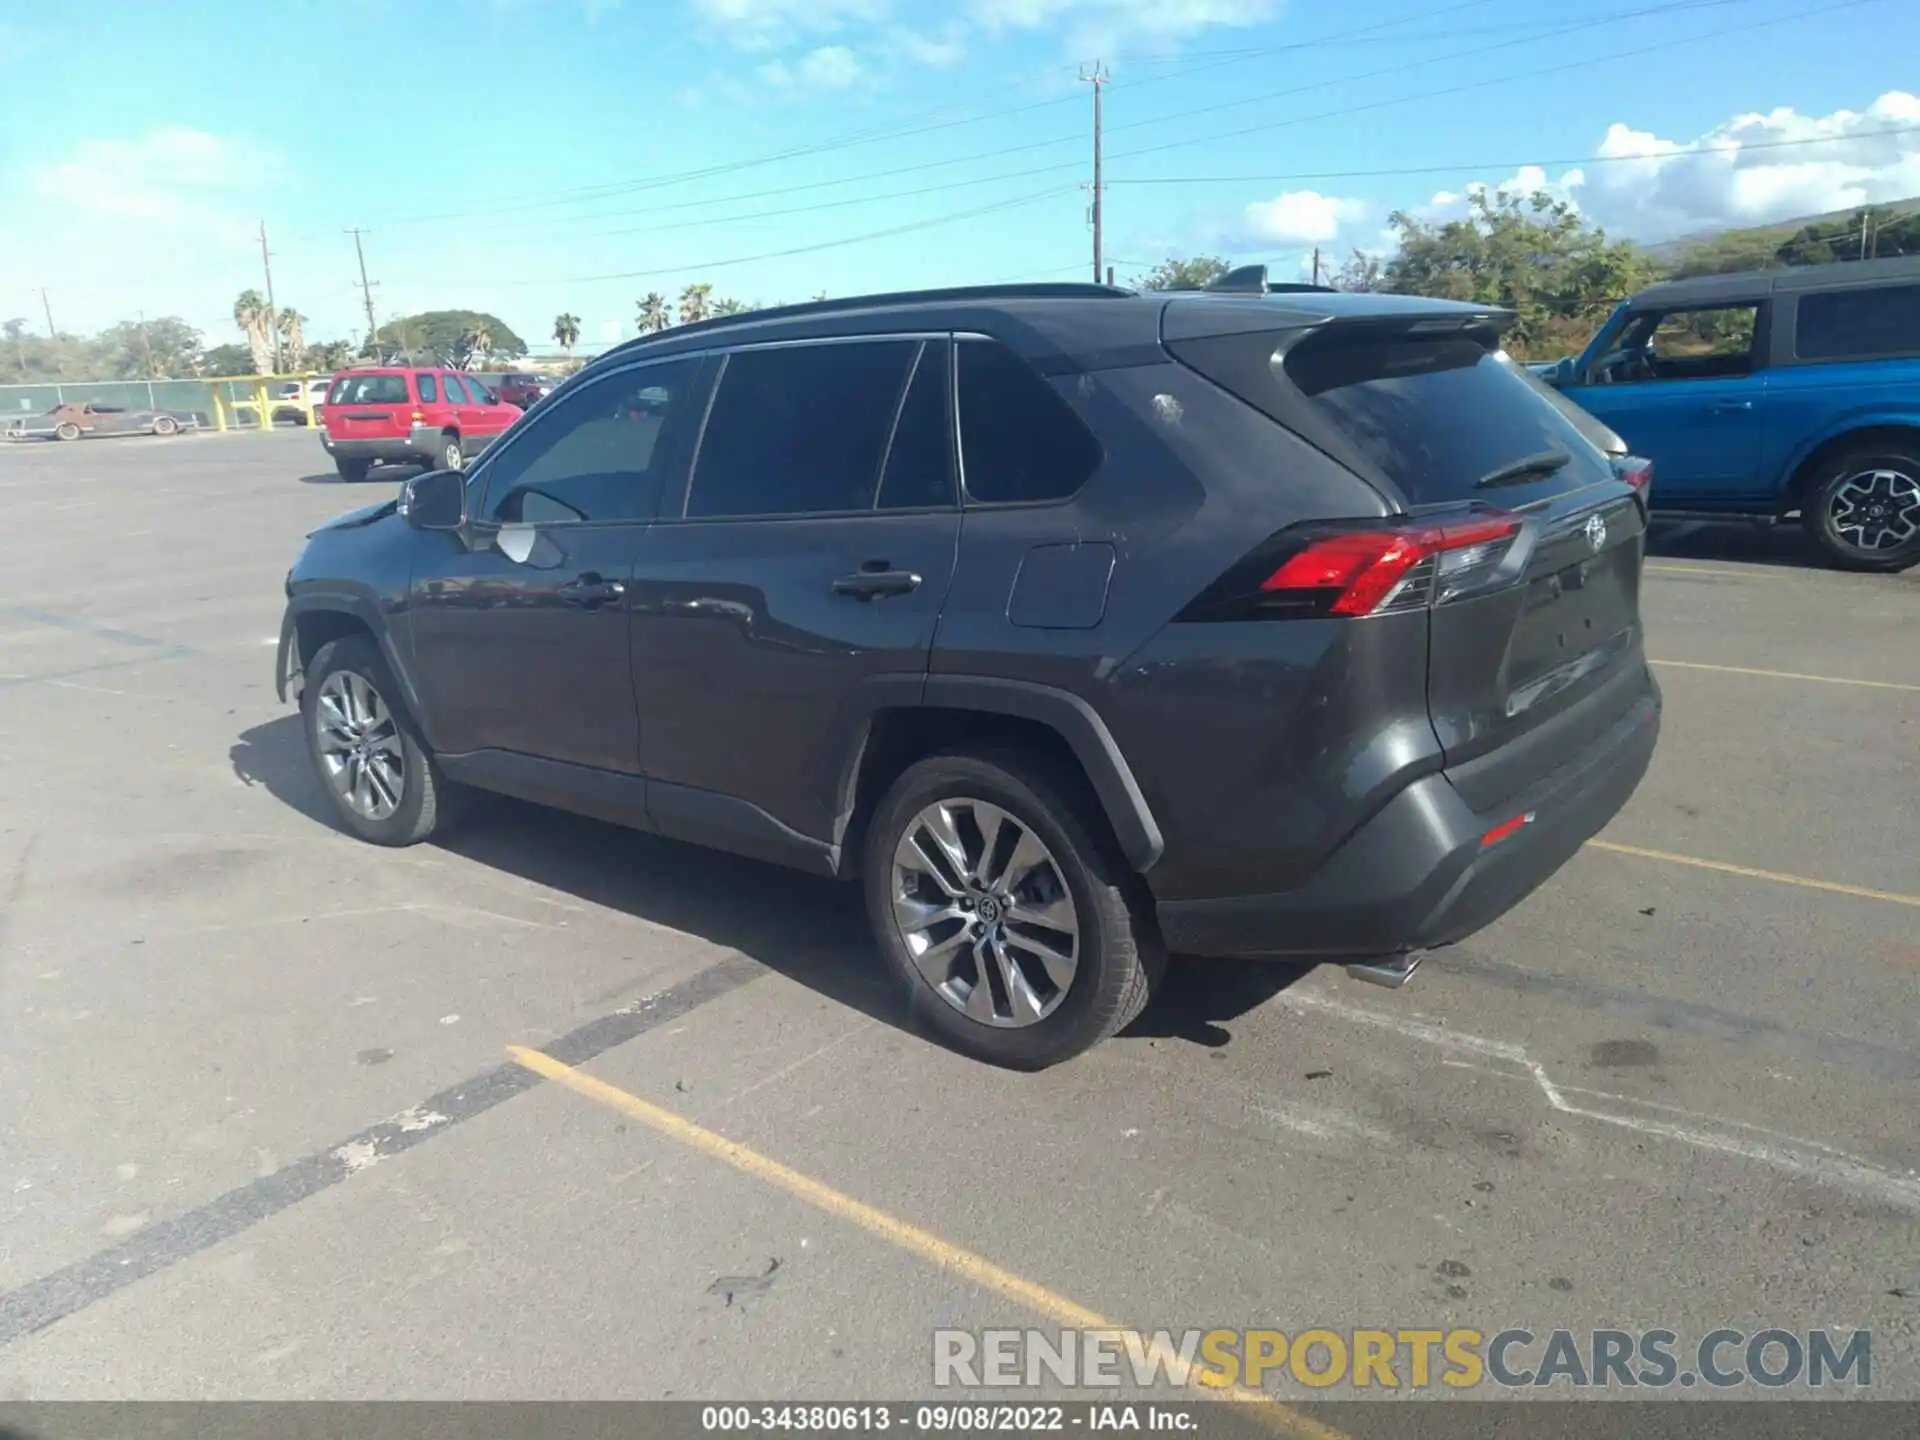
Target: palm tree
695,304
656,314
251,314
293,345
733,307
566,330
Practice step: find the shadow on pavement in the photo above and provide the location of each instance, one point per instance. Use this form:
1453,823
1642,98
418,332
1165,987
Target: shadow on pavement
809,929
1783,544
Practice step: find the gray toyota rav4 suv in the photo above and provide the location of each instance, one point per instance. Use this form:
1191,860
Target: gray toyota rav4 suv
1078,626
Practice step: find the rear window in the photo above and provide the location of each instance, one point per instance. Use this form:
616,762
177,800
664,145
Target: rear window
1851,324
1432,415
368,390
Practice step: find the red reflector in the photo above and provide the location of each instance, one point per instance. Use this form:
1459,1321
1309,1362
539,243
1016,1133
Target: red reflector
1505,828
1365,565
1636,471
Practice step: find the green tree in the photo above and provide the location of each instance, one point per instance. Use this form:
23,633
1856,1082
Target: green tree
695,304
655,313
1191,274
1531,254
733,307
1873,232
330,355
161,349
293,343
1360,274
255,320
447,336
229,360
566,332
1728,254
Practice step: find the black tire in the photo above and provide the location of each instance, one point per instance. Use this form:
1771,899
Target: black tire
166,425
449,455
424,805
1120,958
1896,468
66,431
353,471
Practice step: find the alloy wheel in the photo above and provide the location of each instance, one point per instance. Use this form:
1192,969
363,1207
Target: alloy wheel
1876,509
359,745
985,913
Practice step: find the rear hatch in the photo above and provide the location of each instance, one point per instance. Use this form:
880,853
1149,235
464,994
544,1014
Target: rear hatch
1515,534
369,405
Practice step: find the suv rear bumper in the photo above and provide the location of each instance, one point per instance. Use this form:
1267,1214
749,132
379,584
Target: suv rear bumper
1417,876
419,446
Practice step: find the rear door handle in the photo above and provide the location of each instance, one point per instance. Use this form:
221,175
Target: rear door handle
590,591
872,584
1731,405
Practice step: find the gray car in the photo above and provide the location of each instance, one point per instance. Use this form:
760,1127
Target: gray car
1078,627
78,419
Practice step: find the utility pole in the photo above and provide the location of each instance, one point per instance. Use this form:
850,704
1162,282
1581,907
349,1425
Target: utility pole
366,286
1097,77
146,341
1316,264
273,313
47,305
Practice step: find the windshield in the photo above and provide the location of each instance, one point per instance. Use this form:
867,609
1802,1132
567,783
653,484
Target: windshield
368,390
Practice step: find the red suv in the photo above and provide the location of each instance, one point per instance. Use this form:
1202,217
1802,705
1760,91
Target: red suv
409,416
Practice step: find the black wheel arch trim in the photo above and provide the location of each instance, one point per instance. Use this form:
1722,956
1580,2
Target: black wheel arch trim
361,607
1066,714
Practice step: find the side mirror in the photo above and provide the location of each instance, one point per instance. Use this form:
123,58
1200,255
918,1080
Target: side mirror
436,500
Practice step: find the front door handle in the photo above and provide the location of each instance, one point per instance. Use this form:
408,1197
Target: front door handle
1732,405
589,591
872,584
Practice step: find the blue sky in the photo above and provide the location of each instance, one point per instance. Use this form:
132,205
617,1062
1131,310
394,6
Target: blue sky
529,158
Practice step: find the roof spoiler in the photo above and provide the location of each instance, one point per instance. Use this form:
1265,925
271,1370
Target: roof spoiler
1252,280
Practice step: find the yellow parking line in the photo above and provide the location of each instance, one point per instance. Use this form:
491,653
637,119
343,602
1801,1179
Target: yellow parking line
977,1268
1788,675
1833,886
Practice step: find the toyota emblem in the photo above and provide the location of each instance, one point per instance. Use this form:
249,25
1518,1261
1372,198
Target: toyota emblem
1596,531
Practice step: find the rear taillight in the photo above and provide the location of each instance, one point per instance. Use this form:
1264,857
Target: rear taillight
1361,569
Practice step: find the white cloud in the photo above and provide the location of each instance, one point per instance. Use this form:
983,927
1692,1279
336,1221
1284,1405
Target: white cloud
165,175
828,68
948,47
1738,173
770,24
1300,217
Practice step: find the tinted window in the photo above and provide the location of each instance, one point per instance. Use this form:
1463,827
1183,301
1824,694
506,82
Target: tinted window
1435,415
368,390
429,390
456,390
602,453
799,430
920,461
1843,323
1018,439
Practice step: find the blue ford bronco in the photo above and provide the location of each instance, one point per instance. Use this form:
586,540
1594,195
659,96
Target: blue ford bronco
1768,394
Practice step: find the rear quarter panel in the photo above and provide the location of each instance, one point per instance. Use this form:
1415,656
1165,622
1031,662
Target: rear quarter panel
1812,404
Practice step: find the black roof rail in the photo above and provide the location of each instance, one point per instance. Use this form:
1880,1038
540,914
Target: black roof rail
1252,280
1037,290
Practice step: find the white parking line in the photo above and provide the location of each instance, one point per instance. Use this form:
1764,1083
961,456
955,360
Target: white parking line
1789,1153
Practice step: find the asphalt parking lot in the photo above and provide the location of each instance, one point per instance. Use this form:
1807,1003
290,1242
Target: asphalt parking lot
263,1135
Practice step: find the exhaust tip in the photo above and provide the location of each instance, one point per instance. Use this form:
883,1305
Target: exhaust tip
1390,971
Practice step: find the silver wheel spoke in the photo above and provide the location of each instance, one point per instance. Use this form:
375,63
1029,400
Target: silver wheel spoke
1058,962
359,746
971,877
933,961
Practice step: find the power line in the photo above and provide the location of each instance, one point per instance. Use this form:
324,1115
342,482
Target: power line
873,136
1675,154
706,265
921,167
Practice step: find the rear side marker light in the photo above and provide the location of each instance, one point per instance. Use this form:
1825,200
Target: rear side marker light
1636,470
1377,572
1505,830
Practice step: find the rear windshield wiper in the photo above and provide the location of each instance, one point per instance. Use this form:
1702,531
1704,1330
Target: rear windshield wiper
1529,467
